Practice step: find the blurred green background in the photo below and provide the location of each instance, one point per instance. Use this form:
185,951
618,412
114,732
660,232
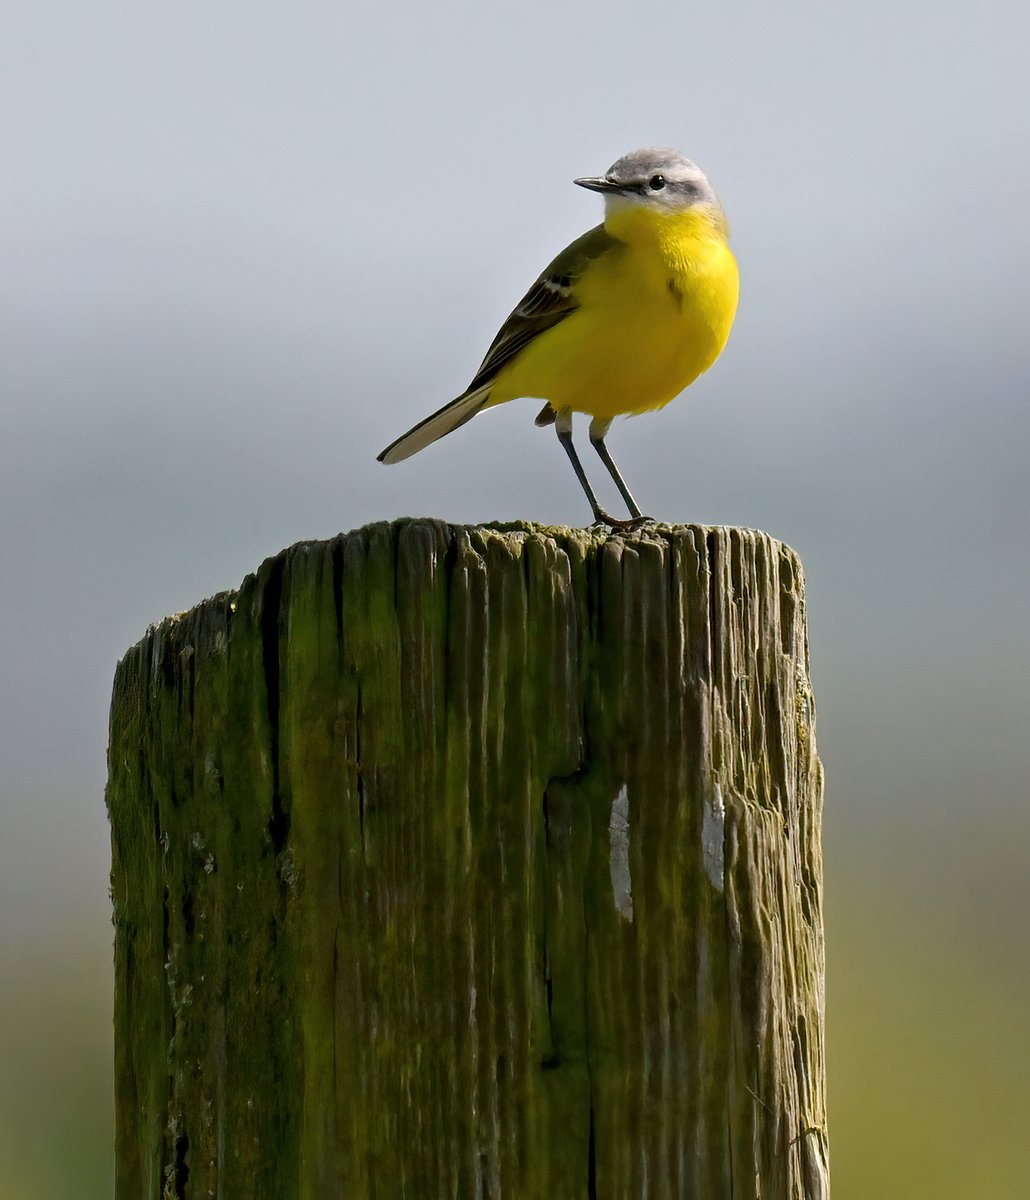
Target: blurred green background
245,247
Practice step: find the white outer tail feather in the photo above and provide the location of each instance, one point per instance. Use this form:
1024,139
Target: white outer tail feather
443,421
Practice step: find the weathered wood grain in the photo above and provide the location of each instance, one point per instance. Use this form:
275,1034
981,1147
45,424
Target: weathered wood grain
472,862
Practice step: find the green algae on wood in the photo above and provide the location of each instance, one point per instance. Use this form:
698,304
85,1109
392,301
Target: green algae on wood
473,862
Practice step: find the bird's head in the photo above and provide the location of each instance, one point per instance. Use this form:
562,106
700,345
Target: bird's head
663,182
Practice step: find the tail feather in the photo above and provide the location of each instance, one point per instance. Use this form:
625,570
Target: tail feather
443,421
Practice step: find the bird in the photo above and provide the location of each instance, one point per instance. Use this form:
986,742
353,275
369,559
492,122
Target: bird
620,322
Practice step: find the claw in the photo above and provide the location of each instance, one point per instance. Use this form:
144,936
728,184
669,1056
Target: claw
626,525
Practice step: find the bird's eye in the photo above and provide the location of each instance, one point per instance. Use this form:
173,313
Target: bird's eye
656,183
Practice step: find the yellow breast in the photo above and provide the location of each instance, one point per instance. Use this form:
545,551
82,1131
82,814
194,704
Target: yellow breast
654,312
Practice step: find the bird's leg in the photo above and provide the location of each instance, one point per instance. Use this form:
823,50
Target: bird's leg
563,427
598,431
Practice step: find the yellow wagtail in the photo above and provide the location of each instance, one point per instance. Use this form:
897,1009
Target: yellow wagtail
620,322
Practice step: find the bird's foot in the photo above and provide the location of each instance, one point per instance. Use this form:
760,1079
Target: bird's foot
624,525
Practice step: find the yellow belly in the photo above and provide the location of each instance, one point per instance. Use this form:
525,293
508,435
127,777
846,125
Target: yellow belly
654,313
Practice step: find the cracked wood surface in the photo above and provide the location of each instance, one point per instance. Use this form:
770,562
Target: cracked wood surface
473,862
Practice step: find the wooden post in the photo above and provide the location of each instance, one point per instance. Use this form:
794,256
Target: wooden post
473,862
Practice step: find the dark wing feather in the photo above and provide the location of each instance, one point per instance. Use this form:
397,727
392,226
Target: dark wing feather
547,302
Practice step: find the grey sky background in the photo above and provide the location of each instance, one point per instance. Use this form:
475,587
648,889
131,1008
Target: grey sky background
246,246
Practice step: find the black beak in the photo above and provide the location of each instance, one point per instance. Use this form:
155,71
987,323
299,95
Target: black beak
601,184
